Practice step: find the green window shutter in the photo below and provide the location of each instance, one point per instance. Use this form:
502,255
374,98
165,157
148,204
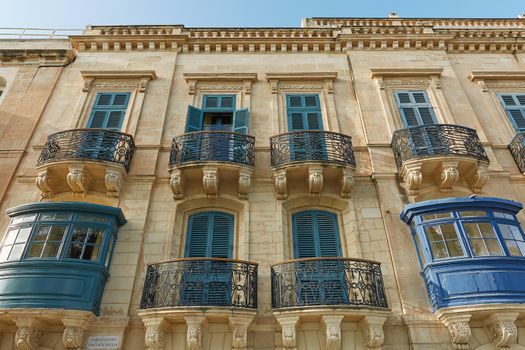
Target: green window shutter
315,234
415,108
209,235
109,110
304,112
219,102
295,121
115,119
193,119
97,119
104,100
314,120
240,121
514,105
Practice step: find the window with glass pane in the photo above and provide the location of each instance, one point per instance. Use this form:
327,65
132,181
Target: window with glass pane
444,241
46,242
513,239
482,239
14,243
434,216
85,243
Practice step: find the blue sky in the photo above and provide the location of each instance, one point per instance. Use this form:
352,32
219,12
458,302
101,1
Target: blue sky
231,13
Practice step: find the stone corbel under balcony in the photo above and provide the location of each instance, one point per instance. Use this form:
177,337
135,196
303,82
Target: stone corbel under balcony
80,177
316,177
444,172
211,177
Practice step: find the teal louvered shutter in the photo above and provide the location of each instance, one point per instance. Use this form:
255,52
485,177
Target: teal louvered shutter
296,121
97,119
315,234
109,110
197,236
193,119
221,236
514,105
240,121
304,112
210,235
415,108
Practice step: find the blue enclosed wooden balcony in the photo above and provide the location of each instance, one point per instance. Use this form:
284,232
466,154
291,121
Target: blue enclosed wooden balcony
213,156
517,149
312,157
333,282
471,250
82,160
200,282
57,255
453,152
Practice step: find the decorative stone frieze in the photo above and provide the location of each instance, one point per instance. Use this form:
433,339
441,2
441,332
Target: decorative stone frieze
155,337
78,180
502,329
289,326
194,334
487,80
332,331
29,334
315,180
220,81
372,331
129,79
240,326
210,181
302,81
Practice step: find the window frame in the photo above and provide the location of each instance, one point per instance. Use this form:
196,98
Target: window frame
415,106
107,109
304,110
506,109
336,221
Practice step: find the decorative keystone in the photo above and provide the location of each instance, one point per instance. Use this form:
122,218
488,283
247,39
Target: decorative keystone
448,176
176,184
372,331
240,327
155,338
210,181
413,178
289,331
315,180
502,330
332,331
196,325
29,334
459,330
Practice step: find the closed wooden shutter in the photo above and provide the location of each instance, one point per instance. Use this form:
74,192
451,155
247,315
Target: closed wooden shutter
514,105
109,110
315,234
210,235
415,108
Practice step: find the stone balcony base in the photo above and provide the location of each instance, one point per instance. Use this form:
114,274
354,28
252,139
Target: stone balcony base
314,175
445,172
370,321
498,320
158,322
80,177
215,177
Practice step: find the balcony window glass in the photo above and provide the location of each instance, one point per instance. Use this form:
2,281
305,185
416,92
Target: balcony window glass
47,241
513,239
482,239
85,243
434,216
444,241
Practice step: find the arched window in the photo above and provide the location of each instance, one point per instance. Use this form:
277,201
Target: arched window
315,234
209,235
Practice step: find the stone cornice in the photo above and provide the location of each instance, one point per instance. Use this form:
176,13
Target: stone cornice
497,75
405,72
229,77
302,76
42,57
119,74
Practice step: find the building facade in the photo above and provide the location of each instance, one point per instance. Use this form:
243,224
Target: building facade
355,183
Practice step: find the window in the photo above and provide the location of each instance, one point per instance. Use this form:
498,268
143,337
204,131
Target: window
315,234
304,112
482,239
59,235
210,235
514,105
218,114
109,110
415,108
444,241
513,239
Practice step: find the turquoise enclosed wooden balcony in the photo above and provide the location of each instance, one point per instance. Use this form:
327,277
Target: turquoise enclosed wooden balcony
57,255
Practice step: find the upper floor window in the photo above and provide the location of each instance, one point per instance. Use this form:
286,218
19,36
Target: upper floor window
514,105
109,110
415,108
315,234
304,112
218,114
209,235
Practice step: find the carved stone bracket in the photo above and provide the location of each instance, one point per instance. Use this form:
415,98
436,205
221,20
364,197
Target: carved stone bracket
210,181
245,181
460,332
176,183
315,180
413,178
29,334
332,331
194,335
78,180
502,330
289,331
155,338
347,181
240,327
280,184
113,181
479,178
44,182
448,176
372,331
73,335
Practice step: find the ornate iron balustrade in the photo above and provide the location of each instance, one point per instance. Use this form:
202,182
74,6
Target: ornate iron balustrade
327,281
220,146
517,149
436,140
311,146
200,282
88,144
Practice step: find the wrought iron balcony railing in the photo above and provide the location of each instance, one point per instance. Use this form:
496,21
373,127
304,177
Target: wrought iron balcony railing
218,146
312,146
327,281
517,149
200,282
88,144
426,141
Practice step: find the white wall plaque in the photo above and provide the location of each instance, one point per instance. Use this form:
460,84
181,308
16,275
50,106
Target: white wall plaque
110,342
